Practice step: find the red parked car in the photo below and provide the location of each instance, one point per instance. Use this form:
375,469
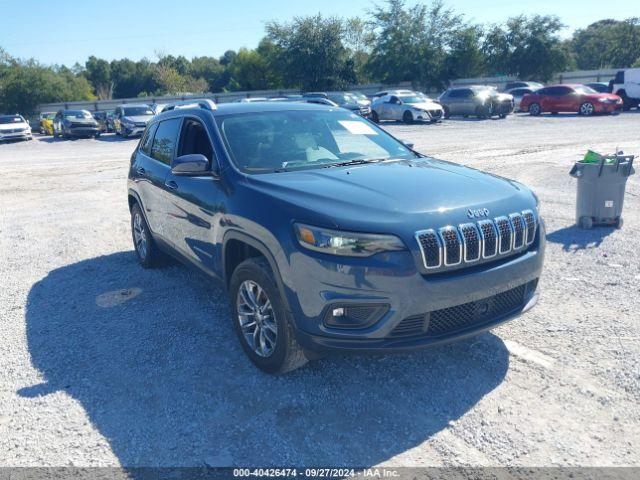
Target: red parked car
570,98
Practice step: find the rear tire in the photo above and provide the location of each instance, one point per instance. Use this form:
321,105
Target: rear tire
257,306
147,251
619,223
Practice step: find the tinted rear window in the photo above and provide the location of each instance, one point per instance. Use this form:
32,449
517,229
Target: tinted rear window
147,141
164,142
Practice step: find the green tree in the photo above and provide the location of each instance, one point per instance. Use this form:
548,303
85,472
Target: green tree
98,72
607,44
412,42
465,58
313,54
528,47
209,69
25,84
250,71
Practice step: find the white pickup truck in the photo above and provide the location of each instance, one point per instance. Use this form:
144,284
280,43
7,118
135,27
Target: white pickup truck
626,84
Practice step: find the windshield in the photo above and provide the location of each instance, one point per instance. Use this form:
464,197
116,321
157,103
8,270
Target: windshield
412,99
77,114
11,119
135,111
300,139
341,98
583,89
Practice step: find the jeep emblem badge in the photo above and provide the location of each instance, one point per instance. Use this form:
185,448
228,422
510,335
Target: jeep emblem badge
478,213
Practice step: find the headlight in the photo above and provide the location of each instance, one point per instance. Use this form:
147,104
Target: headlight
127,122
603,100
349,244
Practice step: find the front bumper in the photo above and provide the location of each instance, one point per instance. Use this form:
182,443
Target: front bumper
23,135
601,107
430,116
81,131
132,131
392,280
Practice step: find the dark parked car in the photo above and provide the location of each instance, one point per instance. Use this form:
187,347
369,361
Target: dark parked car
75,123
600,87
518,95
480,101
328,233
570,98
521,84
343,100
103,120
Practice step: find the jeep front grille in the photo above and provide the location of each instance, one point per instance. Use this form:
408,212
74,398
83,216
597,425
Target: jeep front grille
453,319
470,242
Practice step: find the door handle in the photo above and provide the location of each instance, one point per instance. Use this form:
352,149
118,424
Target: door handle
171,185
141,171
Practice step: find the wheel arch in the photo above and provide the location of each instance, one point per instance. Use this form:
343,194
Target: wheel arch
237,247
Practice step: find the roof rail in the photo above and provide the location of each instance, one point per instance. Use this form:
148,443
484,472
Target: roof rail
205,104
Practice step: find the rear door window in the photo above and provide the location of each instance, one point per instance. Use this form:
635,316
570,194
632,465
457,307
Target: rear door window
165,139
147,141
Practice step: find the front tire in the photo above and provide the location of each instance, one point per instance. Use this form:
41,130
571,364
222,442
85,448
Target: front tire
147,251
534,109
407,117
262,324
587,109
374,117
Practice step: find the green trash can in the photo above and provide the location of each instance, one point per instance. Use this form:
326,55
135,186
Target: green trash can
601,184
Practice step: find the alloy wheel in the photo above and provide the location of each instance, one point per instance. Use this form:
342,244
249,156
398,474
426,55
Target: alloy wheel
586,108
140,235
257,318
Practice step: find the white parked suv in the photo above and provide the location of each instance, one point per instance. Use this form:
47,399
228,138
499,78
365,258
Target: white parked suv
626,85
14,127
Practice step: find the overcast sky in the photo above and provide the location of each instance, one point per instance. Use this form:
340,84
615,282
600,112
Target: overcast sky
68,31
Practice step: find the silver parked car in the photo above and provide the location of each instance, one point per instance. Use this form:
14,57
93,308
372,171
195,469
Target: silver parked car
131,119
409,107
478,100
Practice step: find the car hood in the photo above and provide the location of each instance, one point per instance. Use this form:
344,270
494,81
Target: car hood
425,193
138,118
352,106
426,105
81,120
598,96
12,126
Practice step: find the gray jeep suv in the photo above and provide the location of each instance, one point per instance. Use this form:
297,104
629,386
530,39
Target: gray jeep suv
328,233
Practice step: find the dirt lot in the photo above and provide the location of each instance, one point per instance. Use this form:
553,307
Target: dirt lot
103,363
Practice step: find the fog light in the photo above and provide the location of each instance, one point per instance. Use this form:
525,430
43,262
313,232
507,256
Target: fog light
354,316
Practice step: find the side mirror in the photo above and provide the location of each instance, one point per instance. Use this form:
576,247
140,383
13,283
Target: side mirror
407,144
193,164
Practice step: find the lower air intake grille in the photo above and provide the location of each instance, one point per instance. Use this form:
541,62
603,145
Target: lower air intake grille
450,320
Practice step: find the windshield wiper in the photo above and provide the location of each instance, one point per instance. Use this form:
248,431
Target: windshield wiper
355,161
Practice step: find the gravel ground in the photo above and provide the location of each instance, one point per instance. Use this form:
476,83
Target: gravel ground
104,363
